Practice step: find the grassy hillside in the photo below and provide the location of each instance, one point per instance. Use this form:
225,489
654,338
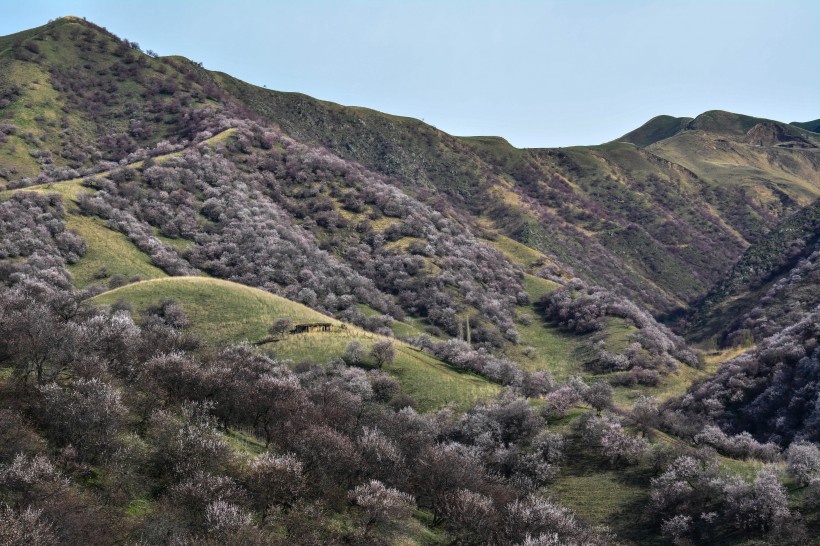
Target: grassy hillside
656,214
600,493
226,312
813,126
75,94
774,178
109,254
661,225
516,190
724,123
654,130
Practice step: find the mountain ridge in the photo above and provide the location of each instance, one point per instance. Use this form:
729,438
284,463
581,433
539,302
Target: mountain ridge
624,202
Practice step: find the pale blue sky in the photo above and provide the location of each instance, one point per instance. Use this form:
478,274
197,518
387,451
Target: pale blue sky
550,73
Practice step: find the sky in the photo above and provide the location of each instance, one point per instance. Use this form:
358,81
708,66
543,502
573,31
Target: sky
538,73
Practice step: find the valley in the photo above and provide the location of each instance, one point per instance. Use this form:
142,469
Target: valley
235,315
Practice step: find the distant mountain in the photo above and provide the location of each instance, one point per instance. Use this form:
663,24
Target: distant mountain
657,128
813,126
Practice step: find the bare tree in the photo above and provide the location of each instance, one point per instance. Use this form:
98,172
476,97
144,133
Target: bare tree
384,352
280,327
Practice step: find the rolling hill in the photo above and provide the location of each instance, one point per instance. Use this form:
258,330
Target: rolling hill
223,312
658,217
654,130
813,126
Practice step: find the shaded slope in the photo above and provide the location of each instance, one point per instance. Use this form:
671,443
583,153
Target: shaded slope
813,126
772,391
473,173
406,148
772,283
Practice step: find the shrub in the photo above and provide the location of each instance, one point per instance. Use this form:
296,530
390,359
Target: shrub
803,462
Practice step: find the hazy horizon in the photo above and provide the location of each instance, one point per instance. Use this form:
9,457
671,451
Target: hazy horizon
538,74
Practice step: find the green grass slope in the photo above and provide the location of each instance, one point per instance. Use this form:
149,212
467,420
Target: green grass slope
67,84
813,126
654,130
223,311
110,253
776,179
545,347
724,123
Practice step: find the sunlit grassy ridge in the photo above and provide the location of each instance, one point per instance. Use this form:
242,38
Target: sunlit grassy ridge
109,253
226,312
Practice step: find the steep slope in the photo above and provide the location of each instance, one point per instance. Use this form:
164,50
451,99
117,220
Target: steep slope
406,148
249,204
772,391
773,283
467,177
73,95
627,207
